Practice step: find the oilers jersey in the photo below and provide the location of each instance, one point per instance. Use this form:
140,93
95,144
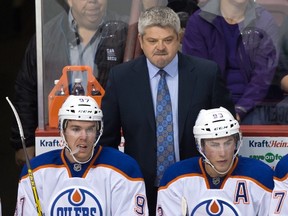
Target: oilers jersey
279,200
186,190
109,184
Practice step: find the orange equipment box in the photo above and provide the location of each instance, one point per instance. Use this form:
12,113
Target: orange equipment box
55,101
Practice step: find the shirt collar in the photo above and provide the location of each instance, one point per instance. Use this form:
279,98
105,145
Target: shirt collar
72,21
171,68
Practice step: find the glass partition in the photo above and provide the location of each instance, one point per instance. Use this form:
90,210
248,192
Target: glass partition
75,33
80,39
267,139
273,110
64,39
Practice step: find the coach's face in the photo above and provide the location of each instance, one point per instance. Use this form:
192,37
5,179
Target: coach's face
160,45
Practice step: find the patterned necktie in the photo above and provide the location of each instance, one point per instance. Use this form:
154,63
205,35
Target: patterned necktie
164,123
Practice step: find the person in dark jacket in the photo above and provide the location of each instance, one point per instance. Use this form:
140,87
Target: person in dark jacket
241,37
88,34
279,88
130,100
187,6
184,9
282,68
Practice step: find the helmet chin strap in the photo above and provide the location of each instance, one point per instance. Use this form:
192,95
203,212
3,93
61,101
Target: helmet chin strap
213,167
72,153
77,161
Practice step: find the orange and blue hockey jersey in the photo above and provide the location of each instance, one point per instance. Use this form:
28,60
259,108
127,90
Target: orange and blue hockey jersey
279,200
110,184
186,189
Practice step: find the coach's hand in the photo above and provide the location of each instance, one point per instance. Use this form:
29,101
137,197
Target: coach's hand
20,158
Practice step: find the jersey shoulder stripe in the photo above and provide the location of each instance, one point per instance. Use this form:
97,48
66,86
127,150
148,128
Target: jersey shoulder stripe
106,156
180,169
256,170
281,169
52,157
120,161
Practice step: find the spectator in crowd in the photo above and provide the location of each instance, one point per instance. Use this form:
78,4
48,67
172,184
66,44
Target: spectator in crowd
184,8
282,69
241,37
188,6
87,35
130,103
277,101
219,182
83,177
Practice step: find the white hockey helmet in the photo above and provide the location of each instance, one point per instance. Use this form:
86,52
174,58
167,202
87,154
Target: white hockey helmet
215,123
82,108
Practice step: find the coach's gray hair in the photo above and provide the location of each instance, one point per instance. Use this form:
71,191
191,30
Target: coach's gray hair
158,16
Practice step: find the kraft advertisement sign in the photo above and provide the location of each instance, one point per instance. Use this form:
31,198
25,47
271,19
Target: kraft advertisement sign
48,143
267,149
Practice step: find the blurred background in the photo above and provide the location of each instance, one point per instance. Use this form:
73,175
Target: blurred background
17,26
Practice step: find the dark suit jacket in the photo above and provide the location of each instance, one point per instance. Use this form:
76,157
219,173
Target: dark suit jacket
128,104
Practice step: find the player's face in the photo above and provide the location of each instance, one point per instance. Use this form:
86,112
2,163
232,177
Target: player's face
220,153
160,45
88,13
81,135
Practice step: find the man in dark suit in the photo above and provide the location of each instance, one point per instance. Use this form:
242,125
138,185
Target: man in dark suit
129,103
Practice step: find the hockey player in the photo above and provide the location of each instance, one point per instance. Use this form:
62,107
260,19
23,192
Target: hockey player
279,200
83,178
219,182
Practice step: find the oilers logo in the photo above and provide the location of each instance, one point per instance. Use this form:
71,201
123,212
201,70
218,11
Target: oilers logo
76,201
214,207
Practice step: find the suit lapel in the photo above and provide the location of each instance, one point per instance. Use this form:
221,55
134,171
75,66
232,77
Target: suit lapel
186,79
144,91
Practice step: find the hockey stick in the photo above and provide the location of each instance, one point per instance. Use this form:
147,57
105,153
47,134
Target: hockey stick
30,173
184,207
